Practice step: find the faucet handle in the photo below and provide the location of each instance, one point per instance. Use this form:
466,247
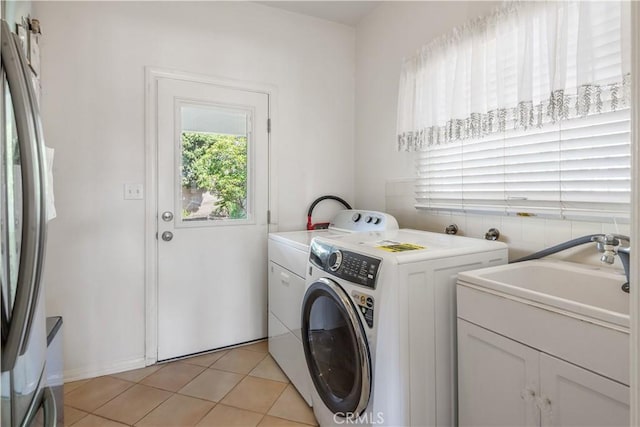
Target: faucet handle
610,239
603,240
606,239
451,229
607,245
492,234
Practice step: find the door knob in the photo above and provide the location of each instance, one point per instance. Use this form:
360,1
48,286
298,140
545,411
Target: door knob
167,236
167,216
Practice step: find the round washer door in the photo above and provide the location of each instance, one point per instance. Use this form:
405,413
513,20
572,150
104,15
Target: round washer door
335,348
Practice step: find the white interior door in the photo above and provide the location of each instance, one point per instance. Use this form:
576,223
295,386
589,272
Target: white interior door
212,216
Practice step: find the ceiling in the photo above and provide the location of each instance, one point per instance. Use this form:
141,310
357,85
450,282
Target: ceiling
343,12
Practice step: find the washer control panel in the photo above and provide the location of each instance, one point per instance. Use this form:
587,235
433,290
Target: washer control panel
352,266
366,305
357,220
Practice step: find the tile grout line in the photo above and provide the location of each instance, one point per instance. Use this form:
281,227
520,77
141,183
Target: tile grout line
305,402
86,414
91,412
106,417
276,400
226,394
238,383
173,393
207,413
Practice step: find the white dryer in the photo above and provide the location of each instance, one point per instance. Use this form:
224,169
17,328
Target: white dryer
288,255
378,325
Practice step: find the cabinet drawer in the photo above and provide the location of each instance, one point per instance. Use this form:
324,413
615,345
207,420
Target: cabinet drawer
288,257
286,290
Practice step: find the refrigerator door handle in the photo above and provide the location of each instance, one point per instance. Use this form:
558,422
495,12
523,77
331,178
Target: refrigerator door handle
39,175
28,272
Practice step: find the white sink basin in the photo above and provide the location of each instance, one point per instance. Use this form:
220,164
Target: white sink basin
589,291
571,311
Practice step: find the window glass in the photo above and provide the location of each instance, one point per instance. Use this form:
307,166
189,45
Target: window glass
214,167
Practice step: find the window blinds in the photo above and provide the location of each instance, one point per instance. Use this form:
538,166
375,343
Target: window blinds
578,168
573,165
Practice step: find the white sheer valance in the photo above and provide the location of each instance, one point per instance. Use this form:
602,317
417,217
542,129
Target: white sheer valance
528,64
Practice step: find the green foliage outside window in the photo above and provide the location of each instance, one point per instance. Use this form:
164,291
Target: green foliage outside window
217,163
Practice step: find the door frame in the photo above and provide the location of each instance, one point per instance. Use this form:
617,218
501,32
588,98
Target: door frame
152,76
634,276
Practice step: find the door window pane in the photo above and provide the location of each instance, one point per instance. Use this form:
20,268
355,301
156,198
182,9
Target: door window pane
214,182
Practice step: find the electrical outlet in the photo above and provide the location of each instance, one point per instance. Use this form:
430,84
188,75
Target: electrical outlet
133,192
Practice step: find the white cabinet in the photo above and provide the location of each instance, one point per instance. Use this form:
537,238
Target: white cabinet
497,379
572,396
505,383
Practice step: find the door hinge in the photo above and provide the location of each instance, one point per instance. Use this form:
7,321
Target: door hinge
268,217
269,125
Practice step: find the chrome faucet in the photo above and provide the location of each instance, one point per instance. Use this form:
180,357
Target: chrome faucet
609,245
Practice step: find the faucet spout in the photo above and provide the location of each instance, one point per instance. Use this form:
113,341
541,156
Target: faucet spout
624,253
609,245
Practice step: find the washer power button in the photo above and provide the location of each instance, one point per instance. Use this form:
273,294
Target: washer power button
335,260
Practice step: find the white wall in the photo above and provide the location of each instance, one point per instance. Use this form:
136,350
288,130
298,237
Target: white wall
93,59
383,175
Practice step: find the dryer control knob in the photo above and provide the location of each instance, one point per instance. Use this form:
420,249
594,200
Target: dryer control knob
335,259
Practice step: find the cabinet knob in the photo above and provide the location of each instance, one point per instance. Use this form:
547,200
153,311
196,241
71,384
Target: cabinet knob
544,404
528,394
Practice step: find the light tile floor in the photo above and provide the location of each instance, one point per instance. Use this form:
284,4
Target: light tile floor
239,387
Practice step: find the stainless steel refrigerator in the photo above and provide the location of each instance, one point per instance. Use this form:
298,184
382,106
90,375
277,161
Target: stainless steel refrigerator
26,398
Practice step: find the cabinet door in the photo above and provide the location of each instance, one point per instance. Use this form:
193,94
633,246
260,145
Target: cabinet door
497,379
573,396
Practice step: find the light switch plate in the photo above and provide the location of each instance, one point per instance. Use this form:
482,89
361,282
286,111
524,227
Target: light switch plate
133,191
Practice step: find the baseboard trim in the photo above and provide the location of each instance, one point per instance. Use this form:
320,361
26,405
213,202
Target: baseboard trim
98,371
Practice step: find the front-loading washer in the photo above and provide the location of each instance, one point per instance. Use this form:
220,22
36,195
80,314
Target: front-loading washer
288,255
339,325
378,325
